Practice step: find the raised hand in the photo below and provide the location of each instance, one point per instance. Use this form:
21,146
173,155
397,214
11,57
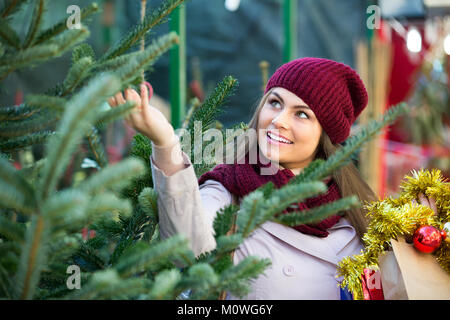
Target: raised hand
145,118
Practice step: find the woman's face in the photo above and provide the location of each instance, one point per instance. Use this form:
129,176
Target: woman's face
286,115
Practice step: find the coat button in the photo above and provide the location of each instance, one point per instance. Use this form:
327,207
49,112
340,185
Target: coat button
289,270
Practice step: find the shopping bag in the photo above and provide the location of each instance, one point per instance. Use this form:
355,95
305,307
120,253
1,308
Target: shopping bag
407,273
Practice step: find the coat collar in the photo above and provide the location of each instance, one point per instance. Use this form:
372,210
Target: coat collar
315,246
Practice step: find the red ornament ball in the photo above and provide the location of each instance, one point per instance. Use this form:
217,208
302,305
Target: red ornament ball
427,239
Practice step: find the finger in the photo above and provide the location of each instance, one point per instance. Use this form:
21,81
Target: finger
132,95
144,97
119,98
112,102
423,200
433,206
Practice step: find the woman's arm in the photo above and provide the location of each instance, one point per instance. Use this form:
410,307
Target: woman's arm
183,206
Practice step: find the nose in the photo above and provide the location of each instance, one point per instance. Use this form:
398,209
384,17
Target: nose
281,121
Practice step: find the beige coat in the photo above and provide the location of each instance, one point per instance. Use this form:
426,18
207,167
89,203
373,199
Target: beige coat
303,266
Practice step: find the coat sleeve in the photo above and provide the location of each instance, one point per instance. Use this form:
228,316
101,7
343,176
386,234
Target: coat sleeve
184,206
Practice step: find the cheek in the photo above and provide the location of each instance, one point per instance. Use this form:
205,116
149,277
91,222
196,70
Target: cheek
264,119
309,136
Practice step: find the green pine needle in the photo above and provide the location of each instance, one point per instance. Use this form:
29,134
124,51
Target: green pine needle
8,34
20,143
318,213
113,176
153,257
139,31
15,191
36,22
61,26
80,115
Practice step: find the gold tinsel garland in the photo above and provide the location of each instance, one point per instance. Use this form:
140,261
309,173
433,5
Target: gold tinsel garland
395,217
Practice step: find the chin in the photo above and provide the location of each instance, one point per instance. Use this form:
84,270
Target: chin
269,153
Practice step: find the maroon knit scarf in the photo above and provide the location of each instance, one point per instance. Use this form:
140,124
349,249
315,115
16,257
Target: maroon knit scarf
241,179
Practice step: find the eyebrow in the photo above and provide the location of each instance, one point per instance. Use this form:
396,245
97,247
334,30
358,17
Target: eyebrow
295,107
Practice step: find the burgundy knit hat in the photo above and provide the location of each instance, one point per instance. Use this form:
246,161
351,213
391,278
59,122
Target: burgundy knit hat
333,90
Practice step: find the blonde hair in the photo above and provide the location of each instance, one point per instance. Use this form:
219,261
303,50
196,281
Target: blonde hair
348,178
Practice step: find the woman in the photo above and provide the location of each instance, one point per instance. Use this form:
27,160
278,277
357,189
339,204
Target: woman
307,110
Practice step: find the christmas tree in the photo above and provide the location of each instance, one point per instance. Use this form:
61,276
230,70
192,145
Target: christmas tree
42,250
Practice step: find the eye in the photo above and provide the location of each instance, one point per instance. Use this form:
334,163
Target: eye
273,102
305,114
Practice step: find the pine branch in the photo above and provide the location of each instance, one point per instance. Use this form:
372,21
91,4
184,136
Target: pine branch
83,50
236,278
165,284
113,176
33,258
201,279
8,34
153,257
140,148
132,38
109,228
65,210
28,56
195,103
206,115
40,53
96,147
80,115
210,109
226,244
256,209
14,144
132,70
224,220
114,63
39,122
13,113
31,172
12,231
52,103
107,284
318,213
61,26
6,283
116,113
15,192
79,71
88,259
133,229
106,202
69,38
61,248
11,7
36,21
148,201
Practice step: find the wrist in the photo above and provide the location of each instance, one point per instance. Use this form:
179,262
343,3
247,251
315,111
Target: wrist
169,142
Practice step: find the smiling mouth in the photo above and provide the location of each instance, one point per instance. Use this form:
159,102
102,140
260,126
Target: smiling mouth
277,140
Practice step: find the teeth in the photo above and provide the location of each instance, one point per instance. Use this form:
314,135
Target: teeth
278,138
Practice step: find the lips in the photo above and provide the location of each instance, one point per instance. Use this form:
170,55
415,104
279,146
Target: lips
276,142
277,139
